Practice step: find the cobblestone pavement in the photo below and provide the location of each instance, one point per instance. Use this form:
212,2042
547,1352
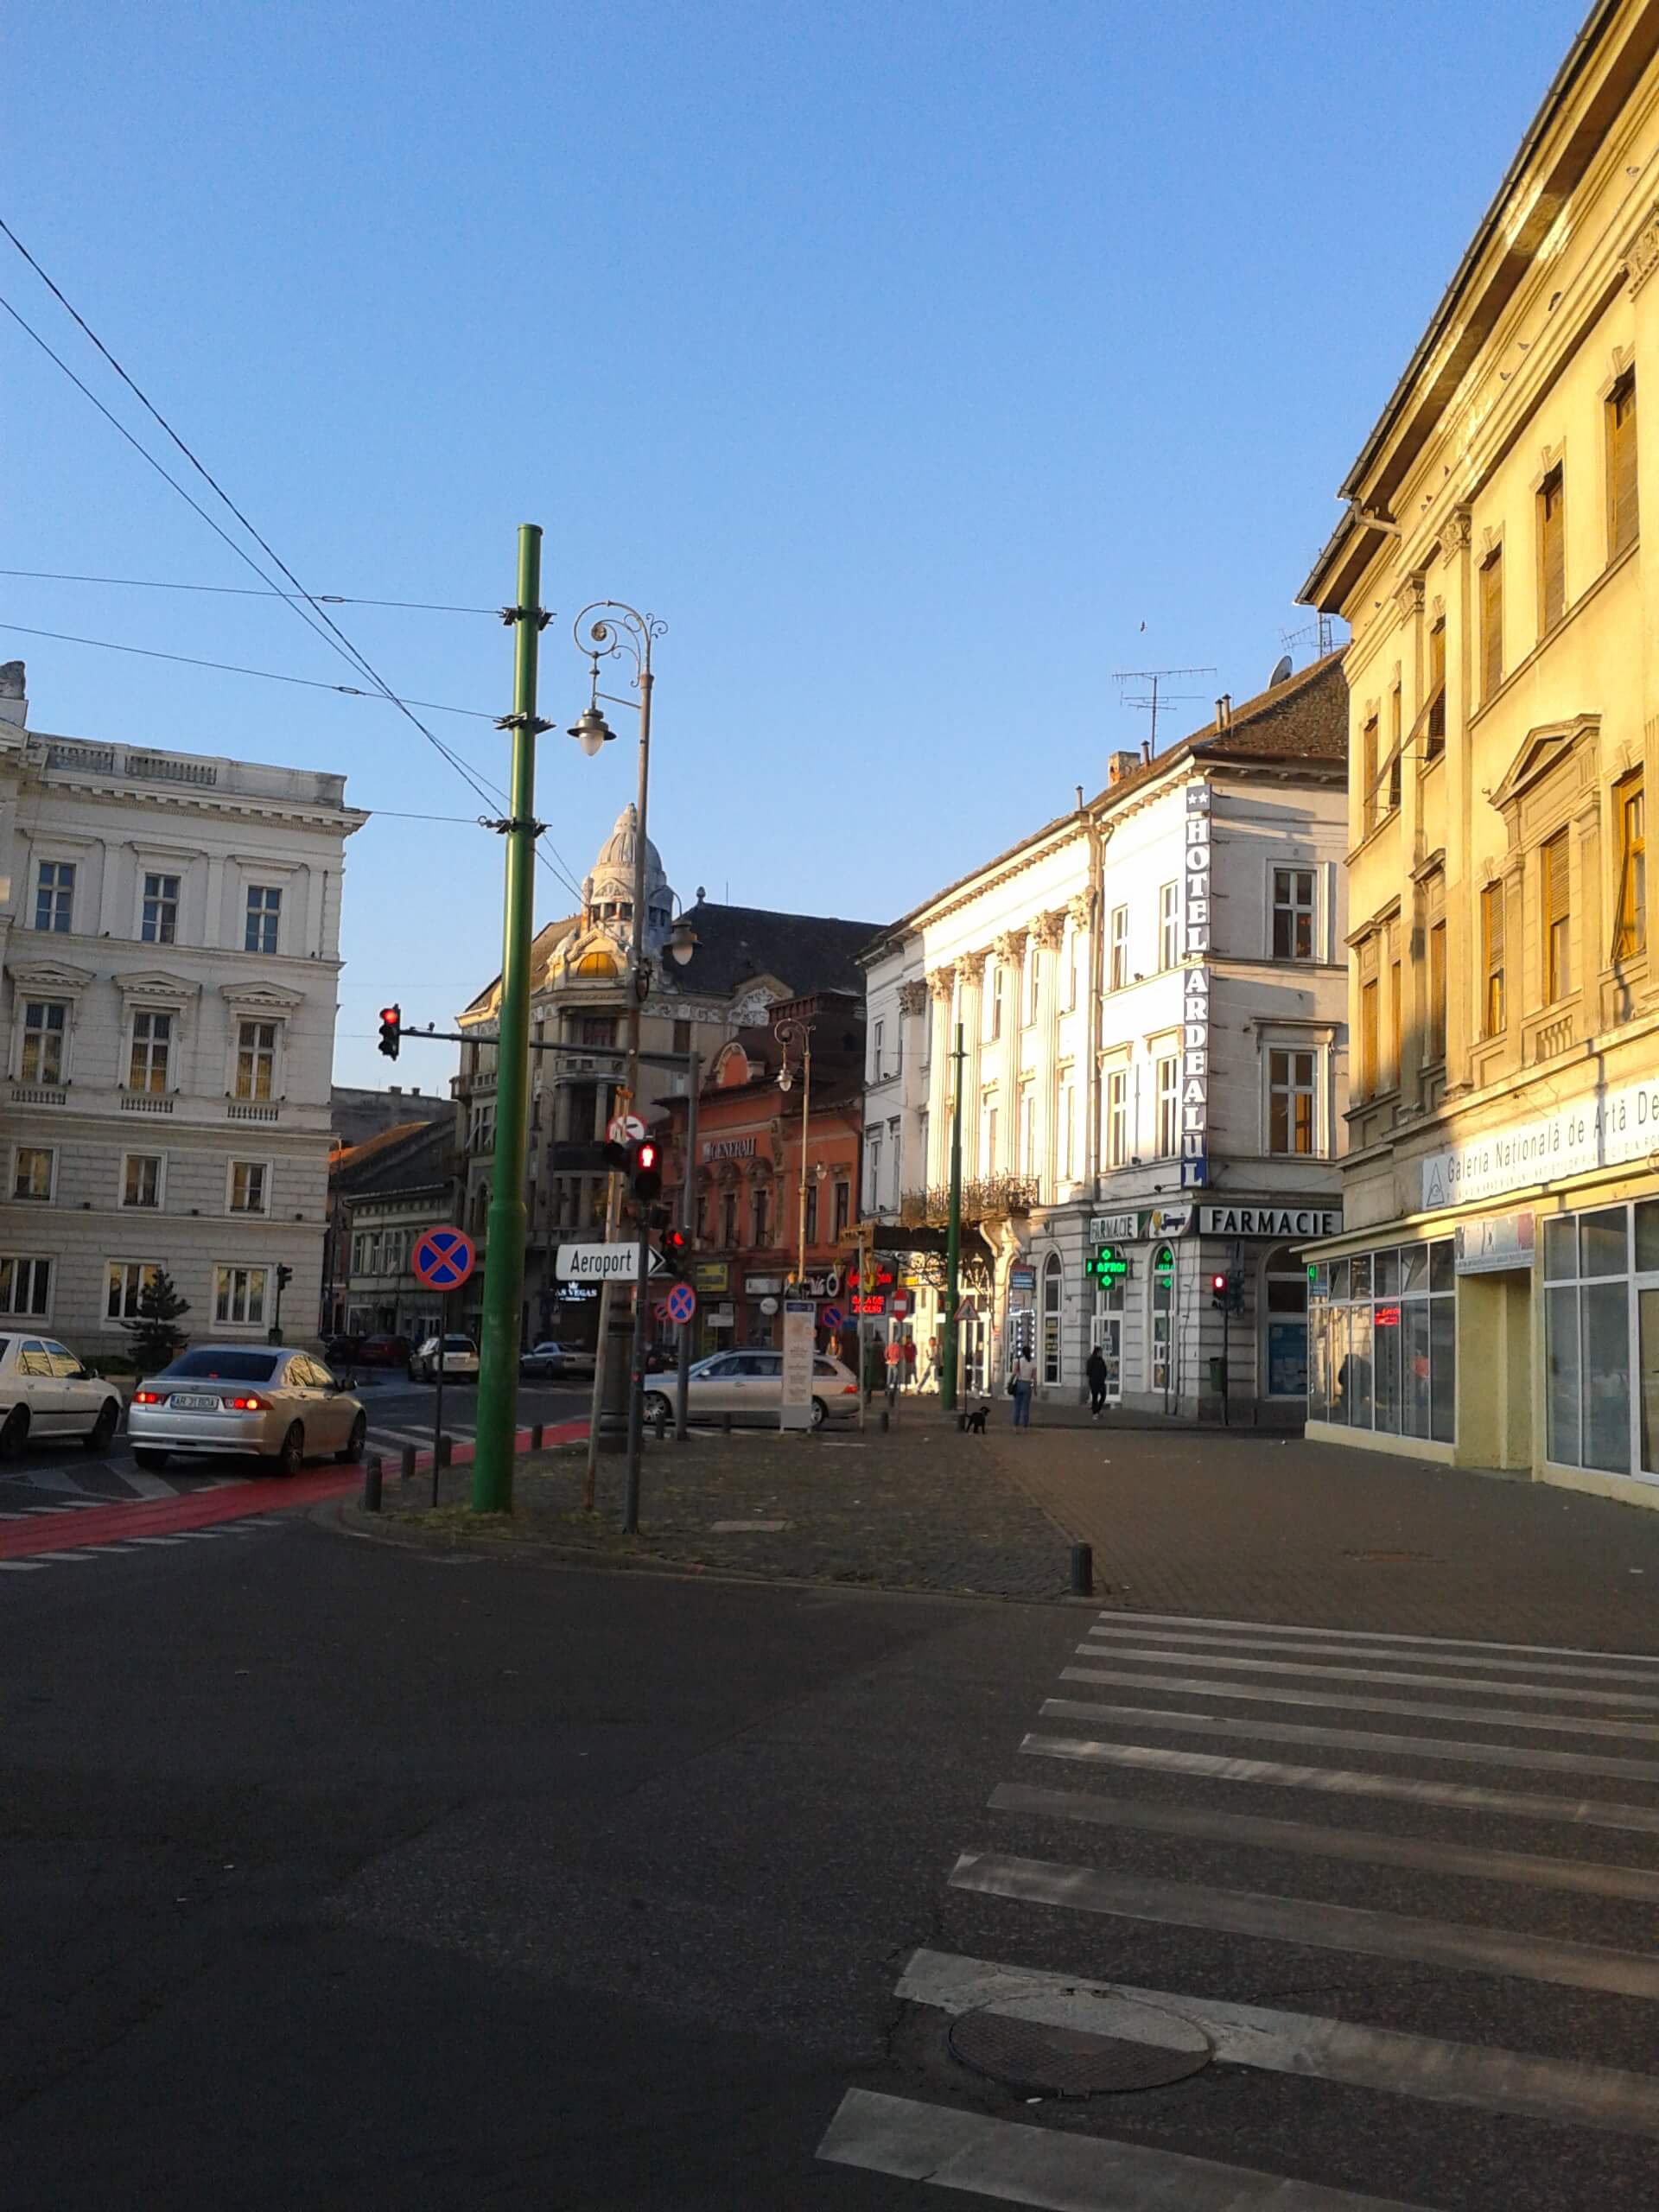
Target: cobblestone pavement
1271,1528
920,1508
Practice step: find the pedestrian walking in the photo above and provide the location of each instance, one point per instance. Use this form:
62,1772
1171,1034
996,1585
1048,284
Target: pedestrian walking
1022,1379
931,1367
1096,1372
910,1362
894,1365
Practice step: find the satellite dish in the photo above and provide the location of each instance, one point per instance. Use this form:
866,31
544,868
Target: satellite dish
1280,670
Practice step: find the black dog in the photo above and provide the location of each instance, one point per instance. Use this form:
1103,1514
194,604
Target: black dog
974,1423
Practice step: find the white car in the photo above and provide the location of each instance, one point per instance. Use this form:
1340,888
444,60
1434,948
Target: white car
249,1402
459,1360
749,1387
45,1391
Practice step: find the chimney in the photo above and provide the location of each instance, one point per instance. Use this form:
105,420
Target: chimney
415,1090
1121,765
14,704
1224,711
394,1090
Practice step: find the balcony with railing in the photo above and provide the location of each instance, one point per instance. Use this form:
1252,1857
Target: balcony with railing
987,1198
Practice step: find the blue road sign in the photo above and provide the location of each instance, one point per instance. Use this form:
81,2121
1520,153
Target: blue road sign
682,1302
442,1258
830,1318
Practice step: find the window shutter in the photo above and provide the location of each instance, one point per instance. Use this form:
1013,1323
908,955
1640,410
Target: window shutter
1556,880
1554,549
1491,626
1622,434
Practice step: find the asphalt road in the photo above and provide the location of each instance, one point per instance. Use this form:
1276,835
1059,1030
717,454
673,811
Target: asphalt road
335,1875
399,1412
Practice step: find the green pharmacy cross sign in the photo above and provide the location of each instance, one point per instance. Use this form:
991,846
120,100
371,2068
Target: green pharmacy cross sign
1108,1264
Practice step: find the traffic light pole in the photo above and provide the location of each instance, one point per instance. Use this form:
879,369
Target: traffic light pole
688,1224
504,1251
952,1246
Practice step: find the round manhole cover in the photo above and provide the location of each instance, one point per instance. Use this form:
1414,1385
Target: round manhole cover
1079,2046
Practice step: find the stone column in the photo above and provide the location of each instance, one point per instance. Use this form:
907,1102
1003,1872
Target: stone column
941,988
1088,1059
1047,935
1010,949
970,1012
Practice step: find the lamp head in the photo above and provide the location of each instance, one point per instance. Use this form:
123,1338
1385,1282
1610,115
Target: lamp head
681,941
591,730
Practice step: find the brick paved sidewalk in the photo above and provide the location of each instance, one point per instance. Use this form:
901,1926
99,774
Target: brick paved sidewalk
1258,1528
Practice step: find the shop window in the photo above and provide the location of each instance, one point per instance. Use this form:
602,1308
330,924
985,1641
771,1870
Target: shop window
1053,1299
1593,1308
1382,1336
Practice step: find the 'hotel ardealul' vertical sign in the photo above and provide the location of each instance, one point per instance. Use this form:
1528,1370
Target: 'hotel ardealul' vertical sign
1195,990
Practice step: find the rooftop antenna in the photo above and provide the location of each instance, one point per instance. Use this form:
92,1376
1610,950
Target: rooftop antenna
1155,696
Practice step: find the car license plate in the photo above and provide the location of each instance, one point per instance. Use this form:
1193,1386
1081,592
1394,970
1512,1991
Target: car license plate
194,1405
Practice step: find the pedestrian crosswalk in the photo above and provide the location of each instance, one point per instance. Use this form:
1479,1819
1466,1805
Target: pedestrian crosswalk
1480,1876
81,1555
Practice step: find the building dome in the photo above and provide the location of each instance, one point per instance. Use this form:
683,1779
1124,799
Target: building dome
607,893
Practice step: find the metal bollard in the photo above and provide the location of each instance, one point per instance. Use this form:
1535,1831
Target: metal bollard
406,1465
1083,1570
372,1484
446,1449
536,1437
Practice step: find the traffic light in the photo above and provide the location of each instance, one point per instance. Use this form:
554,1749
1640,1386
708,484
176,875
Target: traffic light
1236,1291
675,1248
645,1172
285,1275
391,1030
1219,1293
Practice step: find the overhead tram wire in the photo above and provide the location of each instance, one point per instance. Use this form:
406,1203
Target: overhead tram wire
343,643
246,591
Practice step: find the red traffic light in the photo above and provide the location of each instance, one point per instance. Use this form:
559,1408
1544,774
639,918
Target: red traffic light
645,1154
647,1175
1218,1282
391,1028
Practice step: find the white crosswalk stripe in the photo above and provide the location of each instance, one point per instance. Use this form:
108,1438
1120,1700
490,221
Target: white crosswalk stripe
1240,1863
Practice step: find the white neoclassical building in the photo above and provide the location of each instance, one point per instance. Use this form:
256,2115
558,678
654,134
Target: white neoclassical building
1149,994
169,937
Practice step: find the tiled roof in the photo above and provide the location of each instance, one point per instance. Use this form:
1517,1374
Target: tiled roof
806,952
1303,718
422,1160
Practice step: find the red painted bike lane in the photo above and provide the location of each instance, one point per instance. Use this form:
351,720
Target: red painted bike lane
115,1524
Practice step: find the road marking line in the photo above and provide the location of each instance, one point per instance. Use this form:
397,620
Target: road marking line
1577,1724
1001,2158
1647,1701
20,1566
1342,1781
85,1552
1308,1923
1351,1739
1435,1643
1562,2090
155,1540
1588,1876
146,1485
23,1515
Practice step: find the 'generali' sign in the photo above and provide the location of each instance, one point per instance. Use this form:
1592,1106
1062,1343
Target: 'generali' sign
728,1148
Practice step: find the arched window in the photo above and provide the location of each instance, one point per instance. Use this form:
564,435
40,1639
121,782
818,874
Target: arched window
595,963
1053,1300
1160,1351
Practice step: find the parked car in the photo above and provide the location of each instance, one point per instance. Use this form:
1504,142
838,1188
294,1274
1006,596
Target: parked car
749,1386
549,1361
460,1361
45,1391
383,1352
340,1351
278,1405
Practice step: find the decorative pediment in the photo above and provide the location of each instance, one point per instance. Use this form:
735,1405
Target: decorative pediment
753,1009
731,1067
157,986
53,979
261,998
1543,752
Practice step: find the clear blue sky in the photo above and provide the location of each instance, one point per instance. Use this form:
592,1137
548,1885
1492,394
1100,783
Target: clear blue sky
905,358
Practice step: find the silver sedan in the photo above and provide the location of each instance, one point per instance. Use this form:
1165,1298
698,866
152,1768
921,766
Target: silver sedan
277,1405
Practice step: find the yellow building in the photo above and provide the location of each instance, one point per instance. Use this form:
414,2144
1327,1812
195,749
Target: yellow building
1494,1300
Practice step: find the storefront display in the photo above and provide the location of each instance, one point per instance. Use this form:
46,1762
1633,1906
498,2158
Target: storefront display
1383,1341
1601,1334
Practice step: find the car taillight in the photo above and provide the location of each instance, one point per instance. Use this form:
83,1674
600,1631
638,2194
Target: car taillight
849,1389
146,1397
253,1405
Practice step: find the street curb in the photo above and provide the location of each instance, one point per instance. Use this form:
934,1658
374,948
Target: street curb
339,1517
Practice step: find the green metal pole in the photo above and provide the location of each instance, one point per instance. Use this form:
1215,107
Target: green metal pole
503,1250
952,1242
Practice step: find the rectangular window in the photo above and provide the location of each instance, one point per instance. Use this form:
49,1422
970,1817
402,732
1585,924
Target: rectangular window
239,1296
152,1043
1396,1005
1552,551
1435,1031
45,1024
141,1179
758,1199
1434,727
264,917
1370,1037
990,1113
256,1062
1630,915
1293,913
996,1002
1396,744
248,1187
1073,961
123,1285
681,1037
1370,741
1169,925
159,923
1028,1130
1118,972
54,896
598,1030
1290,1102
811,1214
31,1173
1169,1118
1556,881
1068,1116
729,1220
843,1198
1033,983
1491,624
1118,1117
1494,1011
25,1285
1620,467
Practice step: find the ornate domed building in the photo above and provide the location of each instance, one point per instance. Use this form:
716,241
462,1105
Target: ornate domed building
743,961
